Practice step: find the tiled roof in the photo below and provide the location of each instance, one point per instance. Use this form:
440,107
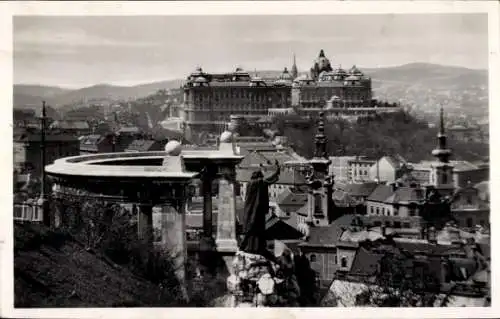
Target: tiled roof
36,137
140,145
293,178
483,190
343,199
324,235
68,124
408,194
381,193
289,201
278,229
458,166
129,129
281,157
385,194
256,146
254,159
359,236
360,189
330,235
365,262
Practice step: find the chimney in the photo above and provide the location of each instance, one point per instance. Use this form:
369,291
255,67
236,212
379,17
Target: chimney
394,186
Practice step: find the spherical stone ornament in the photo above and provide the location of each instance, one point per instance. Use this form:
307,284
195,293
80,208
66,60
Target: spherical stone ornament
266,284
173,148
226,137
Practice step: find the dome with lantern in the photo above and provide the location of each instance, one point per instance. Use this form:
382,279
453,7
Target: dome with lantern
286,76
322,62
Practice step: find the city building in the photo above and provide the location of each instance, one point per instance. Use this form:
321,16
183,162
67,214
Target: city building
27,150
106,143
359,169
210,99
287,181
146,145
397,207
340,167
73,127
388,169
345,88
463,172
469,209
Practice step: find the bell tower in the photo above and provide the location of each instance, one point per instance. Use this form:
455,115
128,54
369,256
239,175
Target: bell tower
441,176
319,182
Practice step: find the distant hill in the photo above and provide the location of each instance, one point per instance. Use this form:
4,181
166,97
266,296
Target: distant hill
420,76
429,75
31,96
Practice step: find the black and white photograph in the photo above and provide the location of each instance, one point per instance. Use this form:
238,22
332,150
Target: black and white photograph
250,160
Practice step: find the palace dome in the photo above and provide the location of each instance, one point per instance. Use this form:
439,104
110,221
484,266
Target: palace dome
353,78
200,79
173,148
340,71
323,62
286,75
197,72
355,71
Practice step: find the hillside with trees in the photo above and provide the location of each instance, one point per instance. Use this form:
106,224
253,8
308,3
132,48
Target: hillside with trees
375,136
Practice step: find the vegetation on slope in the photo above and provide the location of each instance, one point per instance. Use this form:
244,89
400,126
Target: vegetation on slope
375,136
95,260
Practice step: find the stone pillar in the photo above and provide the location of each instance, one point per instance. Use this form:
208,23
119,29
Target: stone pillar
173,237
57,206
226,217
145,222
207,246
207,205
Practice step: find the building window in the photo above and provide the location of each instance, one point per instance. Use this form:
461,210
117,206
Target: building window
469,200
406,225
444,178
387,224
343,262
312,258
397,224
469,222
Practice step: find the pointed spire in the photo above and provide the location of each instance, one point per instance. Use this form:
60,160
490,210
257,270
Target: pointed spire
320,138
295,72
42,148
441,152
441,121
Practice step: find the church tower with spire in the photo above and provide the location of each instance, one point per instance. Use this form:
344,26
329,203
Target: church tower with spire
319,181
294,70
441,176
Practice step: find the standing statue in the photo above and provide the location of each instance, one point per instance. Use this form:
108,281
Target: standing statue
255,211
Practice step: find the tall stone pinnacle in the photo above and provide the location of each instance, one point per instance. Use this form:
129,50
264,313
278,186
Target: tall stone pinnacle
320,139
441,152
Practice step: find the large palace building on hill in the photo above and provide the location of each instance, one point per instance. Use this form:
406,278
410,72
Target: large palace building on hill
210,99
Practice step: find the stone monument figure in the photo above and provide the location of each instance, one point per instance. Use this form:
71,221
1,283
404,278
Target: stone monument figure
255,211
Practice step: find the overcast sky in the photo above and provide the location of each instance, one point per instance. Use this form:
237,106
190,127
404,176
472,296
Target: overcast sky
82,51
